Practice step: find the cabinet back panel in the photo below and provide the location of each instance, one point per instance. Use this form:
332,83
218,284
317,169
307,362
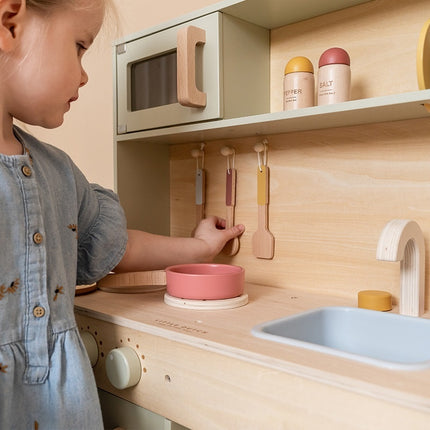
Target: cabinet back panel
380,36
331,194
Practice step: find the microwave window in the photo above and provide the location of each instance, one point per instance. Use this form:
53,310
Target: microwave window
153,82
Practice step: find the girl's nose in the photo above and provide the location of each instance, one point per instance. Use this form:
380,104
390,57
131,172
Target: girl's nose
84,78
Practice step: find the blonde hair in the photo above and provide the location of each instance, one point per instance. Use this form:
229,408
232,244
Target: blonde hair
42,4
49,6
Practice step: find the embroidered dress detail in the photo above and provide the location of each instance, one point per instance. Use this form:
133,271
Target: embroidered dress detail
74,228
13,286
58,290
9,290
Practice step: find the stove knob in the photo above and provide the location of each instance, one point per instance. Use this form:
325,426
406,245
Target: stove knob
123,367
91,347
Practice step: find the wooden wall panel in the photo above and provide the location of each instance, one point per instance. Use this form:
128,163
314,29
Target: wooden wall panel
332,192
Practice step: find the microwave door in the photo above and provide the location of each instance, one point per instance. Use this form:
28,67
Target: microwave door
153,82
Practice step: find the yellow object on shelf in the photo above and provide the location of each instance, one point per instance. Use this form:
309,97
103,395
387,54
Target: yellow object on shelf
374,300
299,64
423,59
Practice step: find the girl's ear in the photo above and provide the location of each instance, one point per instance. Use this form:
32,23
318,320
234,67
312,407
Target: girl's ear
11,14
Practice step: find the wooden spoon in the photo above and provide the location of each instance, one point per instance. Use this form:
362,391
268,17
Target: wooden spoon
232,246
200,195
199,154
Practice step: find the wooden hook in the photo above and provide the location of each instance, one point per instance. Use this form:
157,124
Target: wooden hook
227,151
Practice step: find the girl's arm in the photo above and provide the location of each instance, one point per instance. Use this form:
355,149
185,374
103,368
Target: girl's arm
146,251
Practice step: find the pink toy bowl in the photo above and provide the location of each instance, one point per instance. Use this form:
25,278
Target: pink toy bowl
205,281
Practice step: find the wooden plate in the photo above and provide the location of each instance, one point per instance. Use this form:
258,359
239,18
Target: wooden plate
85,289
133,282
207,305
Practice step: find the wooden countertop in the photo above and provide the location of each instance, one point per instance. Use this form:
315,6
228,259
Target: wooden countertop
228,332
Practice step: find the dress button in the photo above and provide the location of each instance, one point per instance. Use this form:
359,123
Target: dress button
37,238
38,312
26,171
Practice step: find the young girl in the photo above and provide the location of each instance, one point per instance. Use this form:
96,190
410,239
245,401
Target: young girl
56,229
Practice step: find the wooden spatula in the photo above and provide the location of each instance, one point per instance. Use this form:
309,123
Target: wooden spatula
263,241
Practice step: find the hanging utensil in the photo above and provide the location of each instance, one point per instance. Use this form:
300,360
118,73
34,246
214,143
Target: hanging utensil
263,241
232,246
200,181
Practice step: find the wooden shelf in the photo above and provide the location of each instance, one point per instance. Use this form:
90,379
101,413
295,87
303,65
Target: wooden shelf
277,13
357,112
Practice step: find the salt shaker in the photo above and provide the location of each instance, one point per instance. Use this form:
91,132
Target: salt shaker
299,84
334,77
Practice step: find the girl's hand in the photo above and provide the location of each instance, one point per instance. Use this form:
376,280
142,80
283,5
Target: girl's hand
212,232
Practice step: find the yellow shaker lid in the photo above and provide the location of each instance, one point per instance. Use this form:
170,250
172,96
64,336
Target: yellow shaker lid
299,64
375,300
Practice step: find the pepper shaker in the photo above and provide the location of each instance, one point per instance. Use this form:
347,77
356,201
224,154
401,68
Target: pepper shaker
299,84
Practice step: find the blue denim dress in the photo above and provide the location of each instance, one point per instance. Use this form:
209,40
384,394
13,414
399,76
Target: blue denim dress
56,231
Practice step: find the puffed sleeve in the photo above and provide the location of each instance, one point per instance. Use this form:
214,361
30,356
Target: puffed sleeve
102,234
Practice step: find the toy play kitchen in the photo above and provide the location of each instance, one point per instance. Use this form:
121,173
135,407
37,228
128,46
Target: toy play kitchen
335,200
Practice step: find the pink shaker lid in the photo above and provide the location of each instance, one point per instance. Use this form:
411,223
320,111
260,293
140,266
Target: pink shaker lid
334,56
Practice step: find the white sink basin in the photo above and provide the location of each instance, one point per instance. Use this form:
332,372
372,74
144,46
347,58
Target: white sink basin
378,338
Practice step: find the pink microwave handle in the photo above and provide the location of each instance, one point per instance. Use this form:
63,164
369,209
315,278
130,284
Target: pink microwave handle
188,93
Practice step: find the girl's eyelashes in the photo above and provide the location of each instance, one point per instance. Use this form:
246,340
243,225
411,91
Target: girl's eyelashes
81,47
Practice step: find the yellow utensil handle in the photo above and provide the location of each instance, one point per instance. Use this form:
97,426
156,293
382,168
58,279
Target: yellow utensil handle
263,185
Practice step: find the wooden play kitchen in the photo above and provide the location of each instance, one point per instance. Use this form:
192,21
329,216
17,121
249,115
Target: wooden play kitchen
338,174
204,369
